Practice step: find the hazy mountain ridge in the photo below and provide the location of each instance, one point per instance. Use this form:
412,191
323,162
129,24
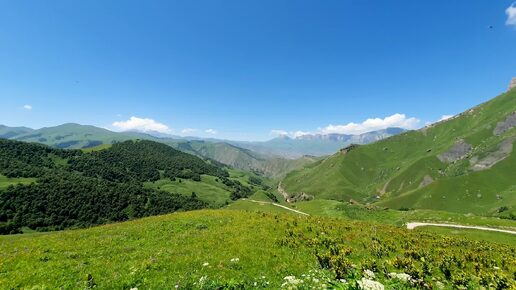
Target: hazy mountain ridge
315,144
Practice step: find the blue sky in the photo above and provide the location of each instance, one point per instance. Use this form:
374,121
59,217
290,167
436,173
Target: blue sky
240,69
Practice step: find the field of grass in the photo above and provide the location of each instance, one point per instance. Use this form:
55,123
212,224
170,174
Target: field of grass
6,181
265,207
208,189
213,249
332,208
471,234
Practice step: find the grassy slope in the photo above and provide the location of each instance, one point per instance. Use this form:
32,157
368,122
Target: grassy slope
209,189
398,164
5,181
164,251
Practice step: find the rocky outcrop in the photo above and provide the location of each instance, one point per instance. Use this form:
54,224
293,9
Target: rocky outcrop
504,149
349,148
458,151
512,85
506,125
426,181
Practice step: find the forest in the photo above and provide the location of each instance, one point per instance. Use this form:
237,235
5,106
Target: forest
76,189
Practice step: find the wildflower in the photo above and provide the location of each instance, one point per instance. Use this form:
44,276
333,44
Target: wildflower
366,284
291,282
369,274
401,277
134,288
439,285
206,264
235,260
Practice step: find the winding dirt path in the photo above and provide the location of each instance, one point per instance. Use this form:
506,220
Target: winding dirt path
278,205
414,225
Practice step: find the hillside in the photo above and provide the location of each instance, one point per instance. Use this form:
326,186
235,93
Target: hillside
47,188
465,164
244,159
242,250
70,136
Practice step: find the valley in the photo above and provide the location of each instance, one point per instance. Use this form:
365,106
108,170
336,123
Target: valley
339,214
242,145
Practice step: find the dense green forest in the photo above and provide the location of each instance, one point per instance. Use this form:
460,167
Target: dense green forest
77,189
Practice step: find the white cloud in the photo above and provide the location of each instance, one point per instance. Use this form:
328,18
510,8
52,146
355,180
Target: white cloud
142,125
396,120
511,15
211,131
299,133
187,131
444,117
27,107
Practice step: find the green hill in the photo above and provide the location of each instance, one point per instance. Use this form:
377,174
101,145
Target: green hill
44,188
74,136
242,250
465,164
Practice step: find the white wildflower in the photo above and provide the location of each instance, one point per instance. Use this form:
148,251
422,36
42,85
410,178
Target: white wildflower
439,285
369,274
366,284
401,277
291,282
134,288
205,264
235,260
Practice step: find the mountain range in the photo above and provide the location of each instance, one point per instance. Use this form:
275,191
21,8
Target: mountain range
273,158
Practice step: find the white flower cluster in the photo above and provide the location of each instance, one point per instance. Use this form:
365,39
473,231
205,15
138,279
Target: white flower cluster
291,282
235,260
314,279
366,284
401,277
369,274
